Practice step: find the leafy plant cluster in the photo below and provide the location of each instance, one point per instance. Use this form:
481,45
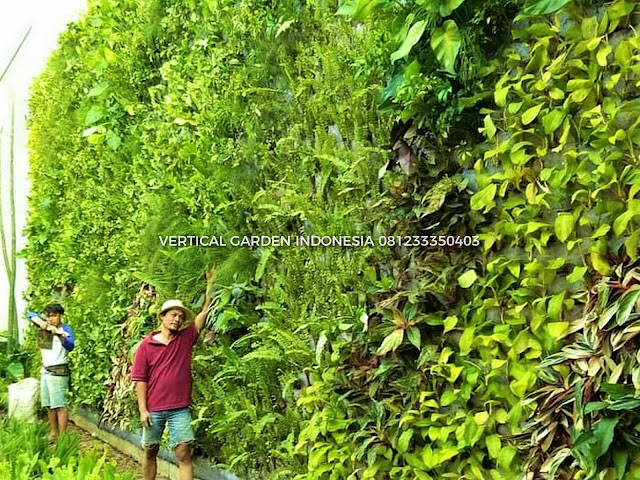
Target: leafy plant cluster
555,192
25,455
205,119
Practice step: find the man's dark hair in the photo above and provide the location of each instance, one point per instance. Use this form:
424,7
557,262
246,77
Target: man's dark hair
54,308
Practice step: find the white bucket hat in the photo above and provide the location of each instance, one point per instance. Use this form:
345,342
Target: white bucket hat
175,304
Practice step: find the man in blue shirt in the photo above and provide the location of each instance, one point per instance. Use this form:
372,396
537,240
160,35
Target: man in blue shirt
55,340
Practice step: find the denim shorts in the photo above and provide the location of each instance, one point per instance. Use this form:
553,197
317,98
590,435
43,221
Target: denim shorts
180,431
53,390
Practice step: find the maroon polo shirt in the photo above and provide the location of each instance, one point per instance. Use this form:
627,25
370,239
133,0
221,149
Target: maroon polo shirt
166,369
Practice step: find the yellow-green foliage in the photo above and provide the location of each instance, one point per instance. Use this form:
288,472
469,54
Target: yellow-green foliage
556,187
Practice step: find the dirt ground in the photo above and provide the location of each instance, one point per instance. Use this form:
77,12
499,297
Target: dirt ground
125,463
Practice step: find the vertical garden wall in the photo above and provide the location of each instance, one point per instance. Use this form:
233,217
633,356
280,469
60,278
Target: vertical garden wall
510,122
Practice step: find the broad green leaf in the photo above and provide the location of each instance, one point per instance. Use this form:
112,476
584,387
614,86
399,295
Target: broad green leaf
556,93
602,55
577,274
445,43
620,223
591,445
405,438
94,114
428,457
534,226
500,96
109,55
446,453
589,28
506,455
356,9
481,417
391,342
467,279
521,387
98,90
466,340
623,54
447,398
448,6
552,120
555,306
600,264
620,460
450,323
454,372
557,330
493,445
484,198
631,244
531,114
113,140
413,334
347,8
489,127
563,226
542,7
15,371
602,230
413,36
579,84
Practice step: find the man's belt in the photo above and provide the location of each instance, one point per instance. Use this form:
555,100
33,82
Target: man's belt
61,370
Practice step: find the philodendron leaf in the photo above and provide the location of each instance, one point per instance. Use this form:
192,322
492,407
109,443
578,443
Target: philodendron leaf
621,222
413,35
391,342
600,263
542,7
557,330
531,114
555,306
356,9
493,445
552,120
564,226
448,6
467,279
445,42
577,274
466,340
405,438
484,198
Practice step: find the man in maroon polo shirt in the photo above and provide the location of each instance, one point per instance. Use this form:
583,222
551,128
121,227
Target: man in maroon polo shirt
162,372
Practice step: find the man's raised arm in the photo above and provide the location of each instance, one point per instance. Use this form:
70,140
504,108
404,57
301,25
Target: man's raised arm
201,318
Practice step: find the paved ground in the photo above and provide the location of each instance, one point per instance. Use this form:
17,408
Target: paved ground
125,463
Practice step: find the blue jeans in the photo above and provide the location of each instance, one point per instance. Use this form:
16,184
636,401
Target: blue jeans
180,430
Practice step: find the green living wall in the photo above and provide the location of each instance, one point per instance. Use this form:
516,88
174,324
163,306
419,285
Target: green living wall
513,122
